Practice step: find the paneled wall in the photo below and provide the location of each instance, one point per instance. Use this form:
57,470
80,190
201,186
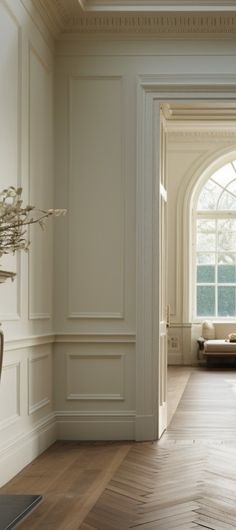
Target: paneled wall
70,315
95,368
97,123
27,424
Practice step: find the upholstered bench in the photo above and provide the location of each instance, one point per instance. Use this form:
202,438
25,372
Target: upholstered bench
219,348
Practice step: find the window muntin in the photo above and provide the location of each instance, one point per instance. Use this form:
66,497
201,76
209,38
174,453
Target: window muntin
215,229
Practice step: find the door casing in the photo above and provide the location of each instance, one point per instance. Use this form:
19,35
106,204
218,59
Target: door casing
152,92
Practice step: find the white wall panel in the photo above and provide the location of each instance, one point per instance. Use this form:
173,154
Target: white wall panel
95,377
96,198
9,97
10,139
10,394
40,184
26,155
39,381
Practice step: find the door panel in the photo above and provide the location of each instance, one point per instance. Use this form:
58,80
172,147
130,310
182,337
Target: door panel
162,360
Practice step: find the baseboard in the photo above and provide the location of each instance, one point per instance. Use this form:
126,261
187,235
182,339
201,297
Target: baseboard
95,426
144,430
21,451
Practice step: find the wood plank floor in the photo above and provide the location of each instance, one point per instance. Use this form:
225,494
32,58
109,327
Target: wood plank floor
186,480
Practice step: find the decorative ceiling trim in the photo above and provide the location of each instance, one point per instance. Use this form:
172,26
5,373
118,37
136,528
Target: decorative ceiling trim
201,132
69,16
175,112
152,24
157,5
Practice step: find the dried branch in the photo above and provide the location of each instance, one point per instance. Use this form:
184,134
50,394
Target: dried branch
14,218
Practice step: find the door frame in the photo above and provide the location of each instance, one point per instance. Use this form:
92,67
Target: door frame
152,91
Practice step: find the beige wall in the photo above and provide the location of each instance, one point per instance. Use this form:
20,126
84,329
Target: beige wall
72,309
27,424
97,109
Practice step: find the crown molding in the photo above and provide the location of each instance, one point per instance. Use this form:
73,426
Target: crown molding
51,15
209,112
64,17
152,24
157,5
200,133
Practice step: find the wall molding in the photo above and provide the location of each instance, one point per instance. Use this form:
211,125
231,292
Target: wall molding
45,400
40,316
94,315
93,425
70,338
15,417
47,23
188,133
156,5
12,16
119,396
28,342
152,90
163,24
32,52
172,19
105,316
39,405
20,451
102,338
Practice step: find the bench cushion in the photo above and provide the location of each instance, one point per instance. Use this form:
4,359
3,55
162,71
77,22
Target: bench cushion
219,346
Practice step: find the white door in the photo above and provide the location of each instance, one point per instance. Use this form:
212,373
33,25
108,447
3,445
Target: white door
162,358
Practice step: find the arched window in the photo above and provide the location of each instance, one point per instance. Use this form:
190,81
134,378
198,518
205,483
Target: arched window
215,240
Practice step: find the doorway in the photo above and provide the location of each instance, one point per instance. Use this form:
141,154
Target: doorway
152,93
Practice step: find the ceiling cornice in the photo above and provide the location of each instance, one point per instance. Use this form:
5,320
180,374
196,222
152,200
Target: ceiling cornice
199,133
157,5
67,17
200,112
165,24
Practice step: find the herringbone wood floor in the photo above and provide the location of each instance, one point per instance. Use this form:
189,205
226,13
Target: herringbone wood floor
186,480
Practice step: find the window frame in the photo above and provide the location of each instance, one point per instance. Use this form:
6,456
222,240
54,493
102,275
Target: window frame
214,215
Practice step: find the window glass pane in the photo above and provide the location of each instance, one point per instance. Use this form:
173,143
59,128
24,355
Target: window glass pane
224,175
205,259
205,301
231,188
209,196
226,274
226,301
206,237
226,258
227,234
205,273
227,201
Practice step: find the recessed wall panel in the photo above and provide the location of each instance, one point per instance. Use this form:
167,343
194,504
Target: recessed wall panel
10,394
96,198
95,377
10,141
41,179
40,382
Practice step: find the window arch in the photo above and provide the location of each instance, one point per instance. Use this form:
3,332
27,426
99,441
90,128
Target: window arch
215,246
